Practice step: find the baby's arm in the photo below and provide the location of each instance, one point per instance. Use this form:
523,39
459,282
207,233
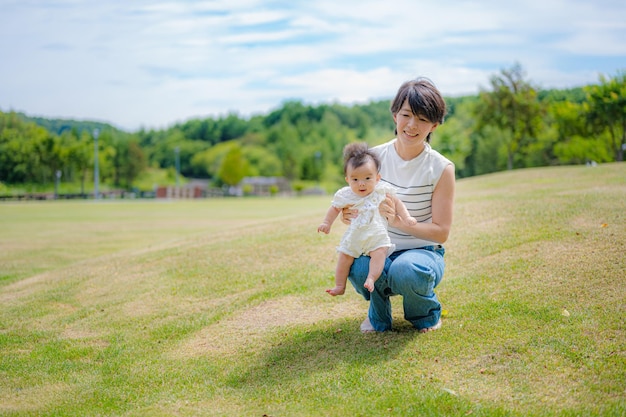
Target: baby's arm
331,215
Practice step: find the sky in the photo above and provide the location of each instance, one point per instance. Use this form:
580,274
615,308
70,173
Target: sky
140,64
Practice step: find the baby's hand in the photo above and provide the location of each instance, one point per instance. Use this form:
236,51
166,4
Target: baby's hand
324,227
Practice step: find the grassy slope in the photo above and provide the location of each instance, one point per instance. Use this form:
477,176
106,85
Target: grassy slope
218,308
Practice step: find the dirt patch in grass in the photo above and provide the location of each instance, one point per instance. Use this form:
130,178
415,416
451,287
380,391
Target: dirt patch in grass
506,377
252,324
33,398
24,287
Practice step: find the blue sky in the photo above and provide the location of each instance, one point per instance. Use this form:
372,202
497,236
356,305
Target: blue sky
151,64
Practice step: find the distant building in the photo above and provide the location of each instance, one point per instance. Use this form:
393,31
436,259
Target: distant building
264,186
194,188
179,192
257,186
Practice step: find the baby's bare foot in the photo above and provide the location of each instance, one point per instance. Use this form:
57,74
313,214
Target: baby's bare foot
336,291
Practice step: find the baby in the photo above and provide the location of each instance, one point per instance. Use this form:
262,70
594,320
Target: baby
367,233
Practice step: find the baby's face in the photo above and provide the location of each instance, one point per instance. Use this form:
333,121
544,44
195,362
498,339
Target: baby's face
363,179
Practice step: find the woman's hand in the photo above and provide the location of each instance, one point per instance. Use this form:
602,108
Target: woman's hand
396,213
387,209
438,229
348,213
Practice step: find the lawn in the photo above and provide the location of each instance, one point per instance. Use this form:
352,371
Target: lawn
217,308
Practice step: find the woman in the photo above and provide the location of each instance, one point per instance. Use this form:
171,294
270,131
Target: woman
425,181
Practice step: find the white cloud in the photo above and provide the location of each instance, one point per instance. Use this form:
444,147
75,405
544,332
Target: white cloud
146,63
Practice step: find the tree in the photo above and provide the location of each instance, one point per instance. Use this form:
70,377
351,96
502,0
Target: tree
135,163
233,167
284,140
128,162
231,127
209,161
488,151
567,125
26,150
511,106
261,162
607,110
79,155
452,138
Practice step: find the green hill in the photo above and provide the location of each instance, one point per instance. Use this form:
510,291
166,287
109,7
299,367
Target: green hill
217,307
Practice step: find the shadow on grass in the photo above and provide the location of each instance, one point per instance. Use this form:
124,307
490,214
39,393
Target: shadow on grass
296,353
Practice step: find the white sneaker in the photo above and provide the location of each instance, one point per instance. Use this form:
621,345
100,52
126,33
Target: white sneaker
430,329
366,326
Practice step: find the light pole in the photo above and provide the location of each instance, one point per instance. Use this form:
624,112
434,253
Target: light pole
318,168
96,172
56,184
177,151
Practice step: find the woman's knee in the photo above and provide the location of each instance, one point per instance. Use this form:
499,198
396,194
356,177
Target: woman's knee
360,269
408,277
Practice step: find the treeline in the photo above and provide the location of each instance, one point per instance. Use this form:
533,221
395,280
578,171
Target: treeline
511,124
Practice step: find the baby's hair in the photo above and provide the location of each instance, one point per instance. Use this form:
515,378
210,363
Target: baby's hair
357,154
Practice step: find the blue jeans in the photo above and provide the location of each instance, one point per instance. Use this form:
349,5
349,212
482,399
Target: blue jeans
413,274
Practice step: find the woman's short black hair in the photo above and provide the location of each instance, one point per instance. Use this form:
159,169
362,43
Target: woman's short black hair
424,99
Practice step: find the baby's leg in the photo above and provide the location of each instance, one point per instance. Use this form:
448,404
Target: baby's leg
377,263
341,274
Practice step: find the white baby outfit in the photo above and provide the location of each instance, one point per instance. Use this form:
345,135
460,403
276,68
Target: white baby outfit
368,231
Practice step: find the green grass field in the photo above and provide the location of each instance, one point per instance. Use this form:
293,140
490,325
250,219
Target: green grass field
217,308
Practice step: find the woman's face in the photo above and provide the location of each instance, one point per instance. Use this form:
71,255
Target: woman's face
362,180
412,128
